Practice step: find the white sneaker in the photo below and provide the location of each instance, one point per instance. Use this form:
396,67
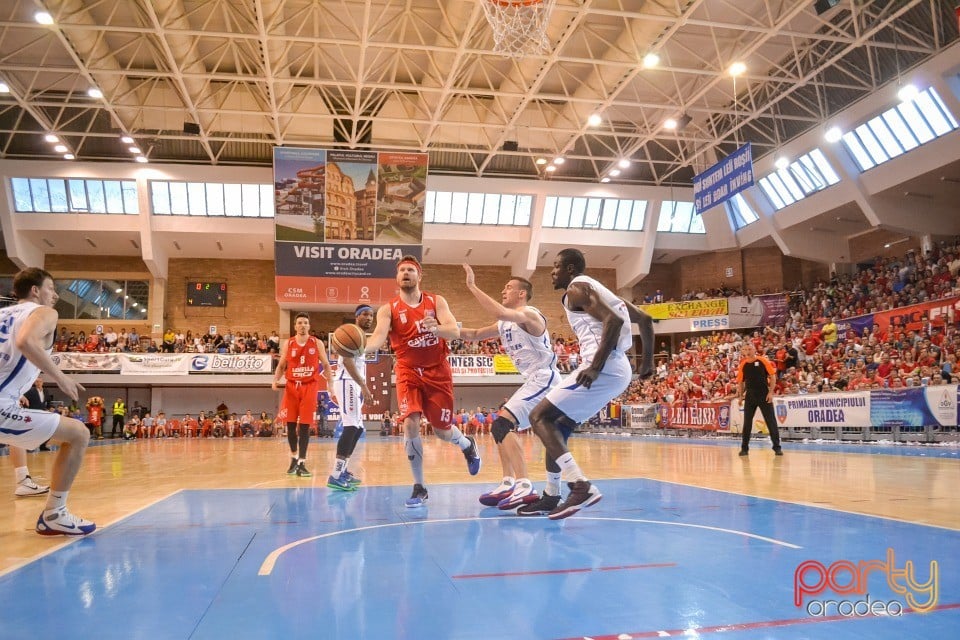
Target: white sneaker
27,487
523,493
57,522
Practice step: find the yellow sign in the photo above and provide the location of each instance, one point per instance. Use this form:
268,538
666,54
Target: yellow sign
503,364
689,309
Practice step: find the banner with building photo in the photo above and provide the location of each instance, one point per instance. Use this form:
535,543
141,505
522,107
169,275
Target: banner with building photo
343,219
757,311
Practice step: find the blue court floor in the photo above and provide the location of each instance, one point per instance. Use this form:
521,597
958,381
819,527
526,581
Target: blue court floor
652,559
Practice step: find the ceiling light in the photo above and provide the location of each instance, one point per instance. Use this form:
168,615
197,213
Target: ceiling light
551,167
541,161
624,164
60,148
737,69
781,163
604,179
614,172
144,309
559,160
135,150
126,140
51,138
4,87
886,246
907,93
141,159
669,124
69,156
43,17
594,120
650,60
95,93
833,134
117,290
133,304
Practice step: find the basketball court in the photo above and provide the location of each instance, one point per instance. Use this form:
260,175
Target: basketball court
204,539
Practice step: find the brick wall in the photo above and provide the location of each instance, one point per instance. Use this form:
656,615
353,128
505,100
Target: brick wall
251,300
870,245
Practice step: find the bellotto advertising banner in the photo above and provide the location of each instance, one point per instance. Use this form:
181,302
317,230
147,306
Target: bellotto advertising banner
343,219
688,309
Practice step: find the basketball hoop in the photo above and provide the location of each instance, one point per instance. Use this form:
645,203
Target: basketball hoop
519,26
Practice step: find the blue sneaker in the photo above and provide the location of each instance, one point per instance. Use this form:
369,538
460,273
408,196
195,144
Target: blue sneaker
340,484
523,493
418,498
472,454
352,479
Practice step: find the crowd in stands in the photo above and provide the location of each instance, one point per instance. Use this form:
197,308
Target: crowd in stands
173,341
813,356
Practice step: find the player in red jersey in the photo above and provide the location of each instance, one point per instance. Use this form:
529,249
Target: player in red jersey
303,361
419,325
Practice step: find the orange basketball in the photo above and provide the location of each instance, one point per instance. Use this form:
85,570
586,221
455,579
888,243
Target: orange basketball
348,340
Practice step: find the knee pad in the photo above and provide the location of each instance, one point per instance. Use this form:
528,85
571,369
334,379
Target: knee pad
501,427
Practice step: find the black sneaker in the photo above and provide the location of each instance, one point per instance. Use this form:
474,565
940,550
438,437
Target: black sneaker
472,456
778,451
418,498
292,469
582,494
302,471
541,507
743,452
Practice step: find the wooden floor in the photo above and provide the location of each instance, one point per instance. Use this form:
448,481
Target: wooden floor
120,478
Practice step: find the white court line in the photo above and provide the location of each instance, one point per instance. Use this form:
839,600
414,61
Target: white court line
68,540
271,560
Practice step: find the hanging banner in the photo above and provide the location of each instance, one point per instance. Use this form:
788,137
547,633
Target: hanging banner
914,407
723,180
503,364
641,416
80,362
823,410
708,416
151,364
688,309
227,363
917,316
343,220
757,311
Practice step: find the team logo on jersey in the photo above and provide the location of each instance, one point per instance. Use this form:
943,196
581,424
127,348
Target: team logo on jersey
403,317
293,353
312,351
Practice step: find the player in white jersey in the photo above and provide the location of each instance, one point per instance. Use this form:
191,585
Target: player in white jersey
601,321
350,388
523,331
27,332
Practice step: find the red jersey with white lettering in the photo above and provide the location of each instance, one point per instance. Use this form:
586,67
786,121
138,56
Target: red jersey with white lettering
415,346
303,362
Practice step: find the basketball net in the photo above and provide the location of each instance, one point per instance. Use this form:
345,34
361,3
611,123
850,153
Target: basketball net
519,26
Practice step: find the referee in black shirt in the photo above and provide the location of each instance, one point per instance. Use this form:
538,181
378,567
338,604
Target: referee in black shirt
756,379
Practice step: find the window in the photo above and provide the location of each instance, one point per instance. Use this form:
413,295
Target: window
679,217
564,212
82,299
211,199
806,175
900,129
446,207
740,212
75,195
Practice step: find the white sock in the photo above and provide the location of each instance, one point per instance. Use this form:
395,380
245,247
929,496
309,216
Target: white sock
56,500
569,467
457,438
553,483
339,467
21,473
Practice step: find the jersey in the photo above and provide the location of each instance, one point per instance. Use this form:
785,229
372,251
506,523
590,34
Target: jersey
529,353
303,362
17,374
416,347
589,330
342,374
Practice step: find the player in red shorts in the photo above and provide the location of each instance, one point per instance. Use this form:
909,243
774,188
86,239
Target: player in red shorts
303,361
419,325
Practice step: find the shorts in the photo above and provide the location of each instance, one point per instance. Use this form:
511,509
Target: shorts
27,428
580,403
351,402
428,391
300,402
534,389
